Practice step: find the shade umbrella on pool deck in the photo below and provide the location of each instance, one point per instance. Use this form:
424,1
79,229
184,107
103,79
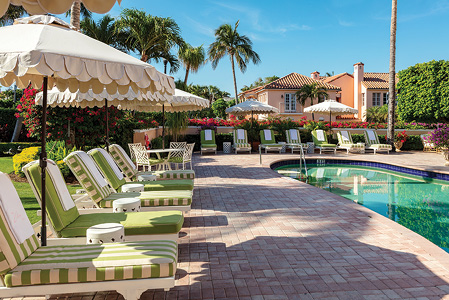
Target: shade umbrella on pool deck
331,108
251,107
44,51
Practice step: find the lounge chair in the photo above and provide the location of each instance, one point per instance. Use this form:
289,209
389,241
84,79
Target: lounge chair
428,146
345,142
208,141
372,142
294,140
26,269
85,170
128,168
67,222
240,137
268,142
116,180
320,140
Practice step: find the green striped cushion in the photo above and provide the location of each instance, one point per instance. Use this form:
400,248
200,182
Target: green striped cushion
178,160
361,146
90,263
174,174
381,147
289,137
238,141
168,185
59,217
264,141
242,145
146,222
97,191
106,169
371,140
123,161
155,198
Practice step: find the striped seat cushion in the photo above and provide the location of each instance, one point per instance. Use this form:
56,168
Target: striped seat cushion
358,146
123,160
381,147
243,145
325,145
174,174
90,263
168,185
272,145
154,198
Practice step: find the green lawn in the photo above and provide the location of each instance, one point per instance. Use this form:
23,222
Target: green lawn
24,190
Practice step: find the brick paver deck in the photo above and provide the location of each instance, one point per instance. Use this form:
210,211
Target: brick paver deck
253,234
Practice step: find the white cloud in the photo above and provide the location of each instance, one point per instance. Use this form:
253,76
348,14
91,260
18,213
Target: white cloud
345,23
200,27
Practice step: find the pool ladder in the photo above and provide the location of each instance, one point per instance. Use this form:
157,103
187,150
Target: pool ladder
302,158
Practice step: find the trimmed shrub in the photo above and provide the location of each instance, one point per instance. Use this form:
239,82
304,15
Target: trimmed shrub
26,156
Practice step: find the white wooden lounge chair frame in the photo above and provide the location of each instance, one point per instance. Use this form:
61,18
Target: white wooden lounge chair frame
235,142
295,146
333,149
374,146
351,146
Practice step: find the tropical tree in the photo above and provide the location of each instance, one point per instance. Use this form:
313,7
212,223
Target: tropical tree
13,12
377,114
192,58
76,11
310,91
392,79
105,30
152,37
239,47
259,82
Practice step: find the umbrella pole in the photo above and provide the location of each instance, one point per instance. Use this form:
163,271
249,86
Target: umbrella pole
43,162
107,124
163,126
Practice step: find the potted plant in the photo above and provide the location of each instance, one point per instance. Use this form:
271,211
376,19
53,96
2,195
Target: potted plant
440,138
399,140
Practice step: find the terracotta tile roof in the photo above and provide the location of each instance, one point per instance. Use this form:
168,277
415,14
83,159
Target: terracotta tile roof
376,80
332,78
251,91
294,81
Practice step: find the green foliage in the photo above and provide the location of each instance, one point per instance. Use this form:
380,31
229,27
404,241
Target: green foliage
377,114
7,98
176,122
281,125
7,123
424,92
259,82
57,151
219,107
24,157
310,91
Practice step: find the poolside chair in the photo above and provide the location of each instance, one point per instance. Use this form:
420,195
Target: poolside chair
66,221
268,142
428,146
187,157
128,168
294,140
85,170
143,159
176,157
240,137
345,142
26,269
208,141
116,180
131,150
320,140
372,142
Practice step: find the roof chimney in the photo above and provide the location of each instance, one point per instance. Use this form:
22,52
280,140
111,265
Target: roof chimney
315,75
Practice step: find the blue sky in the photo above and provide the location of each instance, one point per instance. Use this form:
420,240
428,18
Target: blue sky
304,35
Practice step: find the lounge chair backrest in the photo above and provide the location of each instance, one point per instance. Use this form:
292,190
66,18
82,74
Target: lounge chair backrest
61,209
293,136
106,164
371,137
85,170
207,136
123,160
319,137
344,137
17,241
267,137
240,136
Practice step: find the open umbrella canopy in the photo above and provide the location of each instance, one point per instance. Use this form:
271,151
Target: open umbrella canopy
40,7
181,101
251,107
331,107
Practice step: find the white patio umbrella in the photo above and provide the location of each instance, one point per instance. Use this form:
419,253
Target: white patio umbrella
251,107
332,108
40,7
44,51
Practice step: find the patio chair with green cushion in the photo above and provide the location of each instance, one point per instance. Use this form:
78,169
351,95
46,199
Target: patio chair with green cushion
208,141
241,140
90,178
294,140
26,269
143,159
345,142
372,142
320,140
268,142
128,168
176,157
116,180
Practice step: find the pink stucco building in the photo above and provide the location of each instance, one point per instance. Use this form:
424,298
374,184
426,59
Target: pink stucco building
360,90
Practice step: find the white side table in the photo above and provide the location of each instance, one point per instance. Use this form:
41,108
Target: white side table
146,177
126,205
132,188
310,147
227,147
284,146
105,233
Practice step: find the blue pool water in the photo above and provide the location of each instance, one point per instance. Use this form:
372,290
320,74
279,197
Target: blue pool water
418,203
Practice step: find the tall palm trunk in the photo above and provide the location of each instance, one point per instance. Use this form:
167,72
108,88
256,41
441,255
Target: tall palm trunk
75,14
187,75
235,81
392,79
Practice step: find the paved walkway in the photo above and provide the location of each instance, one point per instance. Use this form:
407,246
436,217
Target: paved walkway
253,234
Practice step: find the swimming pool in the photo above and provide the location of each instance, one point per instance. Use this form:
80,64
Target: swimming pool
416,202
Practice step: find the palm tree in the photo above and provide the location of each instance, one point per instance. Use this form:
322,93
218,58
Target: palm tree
152,37
192,58
11,14
105,30
392,79
310,91
239,47
75,13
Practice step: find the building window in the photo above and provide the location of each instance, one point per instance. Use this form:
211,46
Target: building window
290,103
363,99
385,98
376,99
